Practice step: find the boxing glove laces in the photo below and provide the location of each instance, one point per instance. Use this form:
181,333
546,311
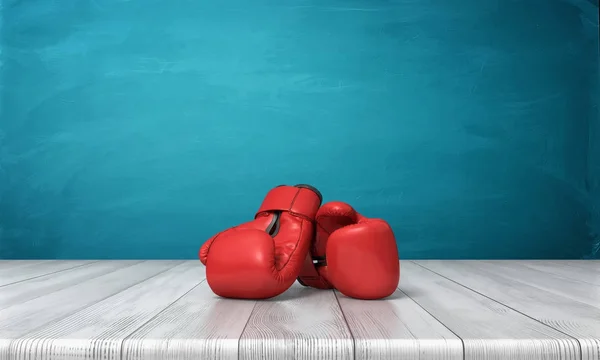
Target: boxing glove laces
262,258
354,254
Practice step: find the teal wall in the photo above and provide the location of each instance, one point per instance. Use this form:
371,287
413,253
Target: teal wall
593,183
137,129
589,19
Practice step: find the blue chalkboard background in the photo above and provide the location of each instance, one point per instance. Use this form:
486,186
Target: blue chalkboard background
137,129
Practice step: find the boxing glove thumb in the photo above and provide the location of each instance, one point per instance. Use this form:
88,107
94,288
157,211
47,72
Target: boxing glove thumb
362,260
352,253
254,254
261,258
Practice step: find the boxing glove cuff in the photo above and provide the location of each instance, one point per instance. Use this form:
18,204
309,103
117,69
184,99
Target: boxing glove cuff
301,200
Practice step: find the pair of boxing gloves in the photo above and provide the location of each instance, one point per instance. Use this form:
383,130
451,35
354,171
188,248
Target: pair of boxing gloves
293,237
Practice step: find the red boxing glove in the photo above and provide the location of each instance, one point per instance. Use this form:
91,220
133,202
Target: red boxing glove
356,255
262,258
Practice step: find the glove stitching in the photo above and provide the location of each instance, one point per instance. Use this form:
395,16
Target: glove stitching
302,216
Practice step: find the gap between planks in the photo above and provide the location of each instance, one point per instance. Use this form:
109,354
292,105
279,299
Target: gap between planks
185,320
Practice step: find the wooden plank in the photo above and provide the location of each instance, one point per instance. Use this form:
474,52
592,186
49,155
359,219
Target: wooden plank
28,316
302,323
397,328
12,275
101,328
200,325
565,271
591,265
539,279
574,318
489,329
13,264
33,288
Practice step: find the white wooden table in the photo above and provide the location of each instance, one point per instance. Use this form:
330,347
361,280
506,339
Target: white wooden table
164,310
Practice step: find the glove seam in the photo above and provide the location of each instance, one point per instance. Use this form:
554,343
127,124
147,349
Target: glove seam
294,200
321,226
293,251
301,216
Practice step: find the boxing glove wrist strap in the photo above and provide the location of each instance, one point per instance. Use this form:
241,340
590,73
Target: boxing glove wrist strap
301,200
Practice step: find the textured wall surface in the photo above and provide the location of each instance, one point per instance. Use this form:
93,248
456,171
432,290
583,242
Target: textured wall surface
137,129
589,19
593,183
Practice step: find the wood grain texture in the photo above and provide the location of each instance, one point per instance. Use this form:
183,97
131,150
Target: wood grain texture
154,310
200,325
521,291
397,328
43,285
590,265
302,323
18,320
565,271
489,330
539,279
98,331
13,264
14,274
28,316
